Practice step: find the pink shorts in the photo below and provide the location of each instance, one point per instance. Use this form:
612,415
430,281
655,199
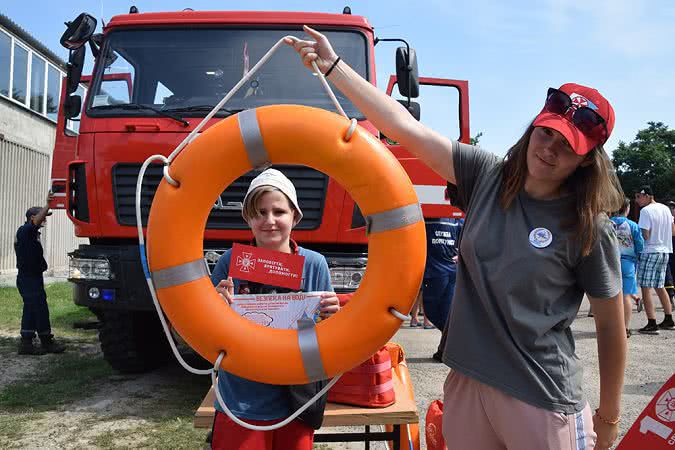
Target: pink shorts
478,416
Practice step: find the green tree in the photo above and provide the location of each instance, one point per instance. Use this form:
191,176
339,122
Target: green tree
649,159
476,139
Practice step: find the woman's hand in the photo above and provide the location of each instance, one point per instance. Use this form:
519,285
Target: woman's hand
607,433
226,290
329,305
319,50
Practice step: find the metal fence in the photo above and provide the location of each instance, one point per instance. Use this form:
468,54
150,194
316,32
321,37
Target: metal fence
24,182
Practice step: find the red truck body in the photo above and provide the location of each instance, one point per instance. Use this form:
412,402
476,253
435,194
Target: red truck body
94,172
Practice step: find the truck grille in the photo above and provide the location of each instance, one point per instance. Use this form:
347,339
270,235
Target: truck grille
310,185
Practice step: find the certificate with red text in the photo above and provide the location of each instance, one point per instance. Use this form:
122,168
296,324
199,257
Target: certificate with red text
278,310
266,266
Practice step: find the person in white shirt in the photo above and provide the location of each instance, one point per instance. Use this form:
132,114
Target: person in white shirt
657,227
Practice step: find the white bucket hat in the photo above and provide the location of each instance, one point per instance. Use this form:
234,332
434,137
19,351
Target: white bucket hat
274,178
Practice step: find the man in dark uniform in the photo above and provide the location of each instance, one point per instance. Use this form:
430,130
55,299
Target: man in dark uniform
441,267
31,263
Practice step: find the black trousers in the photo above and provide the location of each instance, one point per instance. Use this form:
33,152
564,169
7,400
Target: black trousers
35,318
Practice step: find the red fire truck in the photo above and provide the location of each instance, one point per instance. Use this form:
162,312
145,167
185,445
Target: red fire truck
155,76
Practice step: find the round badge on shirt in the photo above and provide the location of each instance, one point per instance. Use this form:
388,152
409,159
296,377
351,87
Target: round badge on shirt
541,237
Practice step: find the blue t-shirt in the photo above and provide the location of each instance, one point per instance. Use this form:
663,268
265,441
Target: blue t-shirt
630,238
442,246
260,401
631,244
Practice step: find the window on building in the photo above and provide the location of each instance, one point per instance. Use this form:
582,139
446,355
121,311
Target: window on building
53,92
20,74
5,59
37,84
41,89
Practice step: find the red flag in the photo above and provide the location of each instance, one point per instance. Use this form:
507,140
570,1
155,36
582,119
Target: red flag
266,266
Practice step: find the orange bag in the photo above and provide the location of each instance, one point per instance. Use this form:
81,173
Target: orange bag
434,426
369,384
410,433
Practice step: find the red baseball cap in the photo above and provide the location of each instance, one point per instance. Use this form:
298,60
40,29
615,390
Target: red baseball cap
581,96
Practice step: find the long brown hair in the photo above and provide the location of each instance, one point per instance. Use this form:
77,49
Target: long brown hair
595,187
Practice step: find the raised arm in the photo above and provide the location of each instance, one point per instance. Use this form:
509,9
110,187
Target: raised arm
40,217
383,111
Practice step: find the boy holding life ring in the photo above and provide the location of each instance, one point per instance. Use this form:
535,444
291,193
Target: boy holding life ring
271,210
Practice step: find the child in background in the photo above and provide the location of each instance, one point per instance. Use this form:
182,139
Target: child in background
631,243
271,210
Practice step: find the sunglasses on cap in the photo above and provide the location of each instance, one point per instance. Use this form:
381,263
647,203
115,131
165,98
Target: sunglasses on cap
584,118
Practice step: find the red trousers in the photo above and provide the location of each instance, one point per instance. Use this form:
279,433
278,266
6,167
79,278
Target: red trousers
230,436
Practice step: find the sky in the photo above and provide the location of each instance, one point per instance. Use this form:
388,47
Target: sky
510,52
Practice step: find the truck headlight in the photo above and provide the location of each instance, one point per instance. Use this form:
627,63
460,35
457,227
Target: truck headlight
346,273
89,269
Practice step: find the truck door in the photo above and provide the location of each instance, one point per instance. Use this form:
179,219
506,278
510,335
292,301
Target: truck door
448,114
65,146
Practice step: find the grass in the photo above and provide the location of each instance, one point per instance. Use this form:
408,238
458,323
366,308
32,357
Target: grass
62,311
170,432
13,426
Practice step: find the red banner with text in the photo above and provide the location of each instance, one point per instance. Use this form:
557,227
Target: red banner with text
266,266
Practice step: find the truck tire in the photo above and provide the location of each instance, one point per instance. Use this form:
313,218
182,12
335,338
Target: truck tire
133,342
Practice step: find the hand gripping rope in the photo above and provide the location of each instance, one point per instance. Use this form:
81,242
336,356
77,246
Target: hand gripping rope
141,239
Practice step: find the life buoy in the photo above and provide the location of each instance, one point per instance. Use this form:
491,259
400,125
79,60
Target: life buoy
286,134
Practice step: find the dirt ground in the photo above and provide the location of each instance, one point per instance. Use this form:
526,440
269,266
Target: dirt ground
74,400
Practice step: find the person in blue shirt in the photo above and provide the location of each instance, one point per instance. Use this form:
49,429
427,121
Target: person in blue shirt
30,264
440,271
631,243
271,210
441,268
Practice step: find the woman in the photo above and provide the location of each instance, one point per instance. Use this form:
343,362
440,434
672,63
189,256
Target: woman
535,239
631,243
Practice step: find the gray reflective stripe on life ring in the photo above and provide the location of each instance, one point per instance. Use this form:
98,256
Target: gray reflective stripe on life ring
394,218
181,274
309,349
252,137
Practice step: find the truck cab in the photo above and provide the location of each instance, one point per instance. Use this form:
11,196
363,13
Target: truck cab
155,77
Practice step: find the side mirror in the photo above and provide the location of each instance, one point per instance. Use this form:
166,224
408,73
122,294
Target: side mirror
413,108
72,106
406,72
78,31
74,71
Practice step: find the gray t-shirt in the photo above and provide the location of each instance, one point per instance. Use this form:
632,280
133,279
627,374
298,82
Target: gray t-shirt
520,282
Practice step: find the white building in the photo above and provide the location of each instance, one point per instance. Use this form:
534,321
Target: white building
30,87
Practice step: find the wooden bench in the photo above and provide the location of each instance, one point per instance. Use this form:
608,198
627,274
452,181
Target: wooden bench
403,412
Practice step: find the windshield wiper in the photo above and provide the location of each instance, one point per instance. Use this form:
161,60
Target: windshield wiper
138,106
197,108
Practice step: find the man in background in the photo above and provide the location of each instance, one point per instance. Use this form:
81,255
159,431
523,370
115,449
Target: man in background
440,272
657,227
31,264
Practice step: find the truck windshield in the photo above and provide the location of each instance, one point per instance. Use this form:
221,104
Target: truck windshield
190,70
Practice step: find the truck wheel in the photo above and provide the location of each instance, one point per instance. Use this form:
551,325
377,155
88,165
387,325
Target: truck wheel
133,342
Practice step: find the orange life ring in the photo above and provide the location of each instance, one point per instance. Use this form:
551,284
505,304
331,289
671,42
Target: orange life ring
286,134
